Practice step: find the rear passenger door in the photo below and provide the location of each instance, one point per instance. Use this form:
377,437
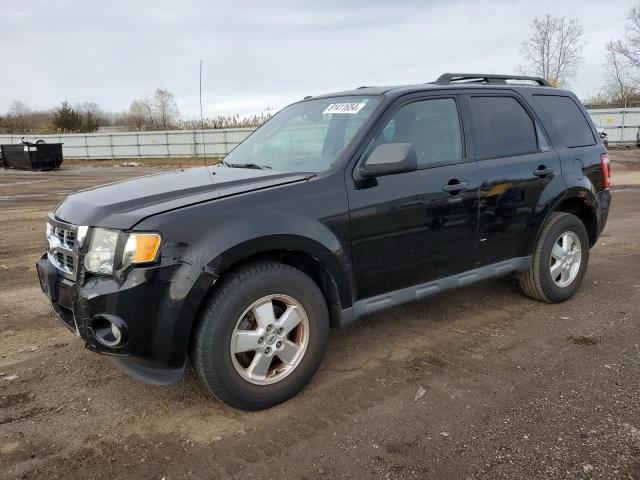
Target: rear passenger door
516,167
573,138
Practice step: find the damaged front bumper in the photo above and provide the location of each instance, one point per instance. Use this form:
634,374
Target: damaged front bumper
128,321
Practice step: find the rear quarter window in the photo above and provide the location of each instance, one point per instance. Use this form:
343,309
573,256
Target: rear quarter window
567,119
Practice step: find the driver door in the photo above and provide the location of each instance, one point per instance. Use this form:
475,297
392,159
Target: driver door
411,228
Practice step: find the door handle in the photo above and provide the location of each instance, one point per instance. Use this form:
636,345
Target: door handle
542,171
452,187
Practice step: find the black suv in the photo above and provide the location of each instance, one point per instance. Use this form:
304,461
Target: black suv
339,206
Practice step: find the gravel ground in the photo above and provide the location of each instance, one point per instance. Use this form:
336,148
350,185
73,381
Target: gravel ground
477,383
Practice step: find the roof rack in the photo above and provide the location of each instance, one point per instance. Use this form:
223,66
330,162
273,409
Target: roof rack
484,78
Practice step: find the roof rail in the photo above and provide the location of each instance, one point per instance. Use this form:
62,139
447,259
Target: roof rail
484,78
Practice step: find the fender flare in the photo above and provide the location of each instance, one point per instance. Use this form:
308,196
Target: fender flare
331,257
586,195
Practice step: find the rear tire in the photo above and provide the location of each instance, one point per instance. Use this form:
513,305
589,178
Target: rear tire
559,262
247,332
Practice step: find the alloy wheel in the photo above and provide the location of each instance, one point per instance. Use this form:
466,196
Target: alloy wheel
566,256
270,339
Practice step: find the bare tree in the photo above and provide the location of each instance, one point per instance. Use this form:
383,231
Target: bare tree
629,47
19,108
166,108
93,110
619,84
18,117
137,114
21,119
152,113
626,52
149,111
596,98
554,49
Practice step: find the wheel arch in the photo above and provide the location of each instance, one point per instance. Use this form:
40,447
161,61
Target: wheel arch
577,201
323,275
326,264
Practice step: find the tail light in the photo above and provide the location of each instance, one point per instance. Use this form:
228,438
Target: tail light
606,170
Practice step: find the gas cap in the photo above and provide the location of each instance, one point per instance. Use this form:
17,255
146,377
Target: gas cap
578,168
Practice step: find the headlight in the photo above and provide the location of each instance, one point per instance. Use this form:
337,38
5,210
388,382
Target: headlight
138,248
102,251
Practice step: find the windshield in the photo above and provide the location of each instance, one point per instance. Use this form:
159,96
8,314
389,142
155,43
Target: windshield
305,137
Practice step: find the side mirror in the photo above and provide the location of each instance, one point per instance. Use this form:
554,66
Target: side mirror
389,159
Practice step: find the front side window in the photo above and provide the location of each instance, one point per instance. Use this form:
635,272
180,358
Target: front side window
503,127
308,136
567,119
432,127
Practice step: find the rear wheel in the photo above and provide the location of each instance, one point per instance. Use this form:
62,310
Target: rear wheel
560,260
262,336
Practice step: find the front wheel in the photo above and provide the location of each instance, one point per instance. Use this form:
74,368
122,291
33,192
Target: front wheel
262,336
560,260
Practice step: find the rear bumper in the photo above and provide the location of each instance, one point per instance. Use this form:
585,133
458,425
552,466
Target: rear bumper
153,346
602,213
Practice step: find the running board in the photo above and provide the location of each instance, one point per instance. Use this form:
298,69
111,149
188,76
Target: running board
378,303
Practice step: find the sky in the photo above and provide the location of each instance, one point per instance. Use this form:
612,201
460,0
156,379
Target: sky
260,55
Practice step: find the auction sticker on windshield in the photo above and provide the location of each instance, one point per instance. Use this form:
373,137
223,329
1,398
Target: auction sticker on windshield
344,108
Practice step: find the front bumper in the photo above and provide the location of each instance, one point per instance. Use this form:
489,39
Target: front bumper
150,324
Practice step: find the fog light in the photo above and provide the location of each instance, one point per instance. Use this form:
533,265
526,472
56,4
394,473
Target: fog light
109,330
117,334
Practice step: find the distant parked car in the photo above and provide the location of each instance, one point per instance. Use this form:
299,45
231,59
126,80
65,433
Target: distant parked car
638,137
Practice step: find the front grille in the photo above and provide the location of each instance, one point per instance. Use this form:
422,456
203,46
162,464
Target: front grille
66,261
62,249
66,237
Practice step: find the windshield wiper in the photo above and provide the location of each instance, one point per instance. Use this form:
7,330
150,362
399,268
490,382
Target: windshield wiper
246,165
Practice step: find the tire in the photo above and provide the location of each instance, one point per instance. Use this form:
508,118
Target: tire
538,282
231,377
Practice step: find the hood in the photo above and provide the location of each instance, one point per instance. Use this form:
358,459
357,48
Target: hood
122,204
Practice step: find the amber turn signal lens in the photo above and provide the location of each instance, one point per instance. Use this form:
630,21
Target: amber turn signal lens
146,247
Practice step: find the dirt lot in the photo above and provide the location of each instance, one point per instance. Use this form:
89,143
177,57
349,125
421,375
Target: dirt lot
514,388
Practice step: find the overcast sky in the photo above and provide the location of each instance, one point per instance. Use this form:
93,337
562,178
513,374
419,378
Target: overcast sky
267,54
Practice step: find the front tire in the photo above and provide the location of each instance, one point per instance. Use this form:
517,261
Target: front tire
261,336
559,262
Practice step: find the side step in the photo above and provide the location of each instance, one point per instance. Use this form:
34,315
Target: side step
384,301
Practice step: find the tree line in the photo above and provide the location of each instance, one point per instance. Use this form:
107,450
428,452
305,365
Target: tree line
157,111
83,117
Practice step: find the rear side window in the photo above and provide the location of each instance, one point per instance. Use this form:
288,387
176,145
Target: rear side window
568,120
503,127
